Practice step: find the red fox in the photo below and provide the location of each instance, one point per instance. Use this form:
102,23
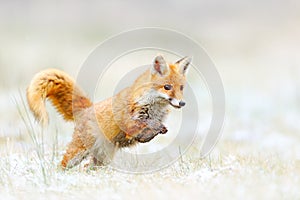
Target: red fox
135,114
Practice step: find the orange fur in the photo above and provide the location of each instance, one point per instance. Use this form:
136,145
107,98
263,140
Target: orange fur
133,115
59,87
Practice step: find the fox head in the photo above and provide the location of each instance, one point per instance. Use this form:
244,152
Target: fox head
168,80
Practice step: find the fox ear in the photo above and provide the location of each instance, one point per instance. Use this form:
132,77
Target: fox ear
183,64
160,66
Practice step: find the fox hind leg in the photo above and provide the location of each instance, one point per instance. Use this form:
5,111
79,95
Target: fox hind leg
77,159
75,153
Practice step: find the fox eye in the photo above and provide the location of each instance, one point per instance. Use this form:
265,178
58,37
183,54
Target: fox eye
181,87
168,87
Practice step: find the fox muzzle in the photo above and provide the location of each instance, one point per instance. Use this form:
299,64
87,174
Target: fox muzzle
176,103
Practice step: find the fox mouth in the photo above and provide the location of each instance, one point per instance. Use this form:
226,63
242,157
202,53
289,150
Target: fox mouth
175,106
175,103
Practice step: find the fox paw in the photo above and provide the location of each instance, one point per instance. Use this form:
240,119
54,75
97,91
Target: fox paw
163,130
146,135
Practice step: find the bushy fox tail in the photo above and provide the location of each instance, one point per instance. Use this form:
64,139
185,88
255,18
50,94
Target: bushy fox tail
60,88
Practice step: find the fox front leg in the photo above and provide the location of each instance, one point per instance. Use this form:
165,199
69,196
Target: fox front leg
152,129
148,134
142,130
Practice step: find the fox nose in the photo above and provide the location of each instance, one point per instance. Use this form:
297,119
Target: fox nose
181,103
176,103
